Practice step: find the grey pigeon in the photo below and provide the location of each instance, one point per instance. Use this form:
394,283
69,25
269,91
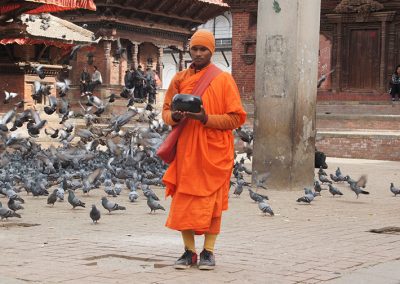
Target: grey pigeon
94,214
7,213
14,205
153,204
110,206
308,197
256,196
147,191
317,187
60,194
356,189
324,179
322,172
73,200
133,195
52,198
394,190
334,191
265,208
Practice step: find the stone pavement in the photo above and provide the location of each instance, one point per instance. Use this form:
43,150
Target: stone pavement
322,242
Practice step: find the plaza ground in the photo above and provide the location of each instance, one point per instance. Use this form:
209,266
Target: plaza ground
328,241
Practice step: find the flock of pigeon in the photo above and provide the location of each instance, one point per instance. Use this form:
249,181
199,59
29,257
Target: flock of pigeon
109,157
112,156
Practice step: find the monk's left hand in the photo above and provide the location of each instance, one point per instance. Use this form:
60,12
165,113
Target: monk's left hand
201,116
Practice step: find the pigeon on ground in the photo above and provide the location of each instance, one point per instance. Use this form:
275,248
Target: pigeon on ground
334,191
60,194
7,213
94,214
265,208
133,196
308,197
322,172
73,200
153,204
317,187
256,196
394,190
52,198
110,206
356,189
147,191
14,205
324,179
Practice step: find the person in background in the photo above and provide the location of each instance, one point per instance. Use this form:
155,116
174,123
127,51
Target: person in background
139,83
150,86
84,80
395,84
128,79
97,80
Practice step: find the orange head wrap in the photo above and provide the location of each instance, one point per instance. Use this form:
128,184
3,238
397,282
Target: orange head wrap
204,38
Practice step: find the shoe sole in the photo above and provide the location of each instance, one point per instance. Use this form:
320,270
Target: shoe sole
206,267
181,266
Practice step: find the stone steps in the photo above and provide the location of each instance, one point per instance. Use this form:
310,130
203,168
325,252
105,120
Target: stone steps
359,130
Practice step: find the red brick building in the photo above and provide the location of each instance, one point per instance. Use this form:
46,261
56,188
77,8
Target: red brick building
361,42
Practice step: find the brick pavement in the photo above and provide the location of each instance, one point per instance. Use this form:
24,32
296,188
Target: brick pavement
301,244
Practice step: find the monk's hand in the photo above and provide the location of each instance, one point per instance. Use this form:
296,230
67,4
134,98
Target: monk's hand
200,116
177,115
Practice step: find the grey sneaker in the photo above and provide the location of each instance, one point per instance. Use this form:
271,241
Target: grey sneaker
207,260
187,259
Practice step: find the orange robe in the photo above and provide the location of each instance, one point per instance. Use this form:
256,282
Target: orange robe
198,178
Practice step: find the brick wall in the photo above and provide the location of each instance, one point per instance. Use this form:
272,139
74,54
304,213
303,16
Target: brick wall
379,147
243,74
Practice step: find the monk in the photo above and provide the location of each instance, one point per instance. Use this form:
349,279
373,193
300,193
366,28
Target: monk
198,178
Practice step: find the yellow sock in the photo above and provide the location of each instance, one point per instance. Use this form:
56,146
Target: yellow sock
209,241
188,240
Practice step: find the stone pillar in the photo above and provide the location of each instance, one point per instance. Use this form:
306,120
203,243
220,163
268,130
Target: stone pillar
382,83
159,67
286,88
338,69
135,49
107,62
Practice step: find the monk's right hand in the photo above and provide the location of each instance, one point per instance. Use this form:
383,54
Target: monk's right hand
176,115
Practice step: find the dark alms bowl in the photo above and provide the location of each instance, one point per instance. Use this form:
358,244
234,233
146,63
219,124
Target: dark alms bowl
186,102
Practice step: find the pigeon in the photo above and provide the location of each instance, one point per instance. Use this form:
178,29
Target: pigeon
356,189
60,194
7,213
73,200
153,204
322,172
256,196
394,190
133,196
147,191
324,179
317,187
110,206
308,197
52,198
265,208
9,96
334,191
94,214
334,178
39,71
338,172
14,205
63,87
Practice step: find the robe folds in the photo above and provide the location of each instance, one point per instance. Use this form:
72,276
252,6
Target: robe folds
198,178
